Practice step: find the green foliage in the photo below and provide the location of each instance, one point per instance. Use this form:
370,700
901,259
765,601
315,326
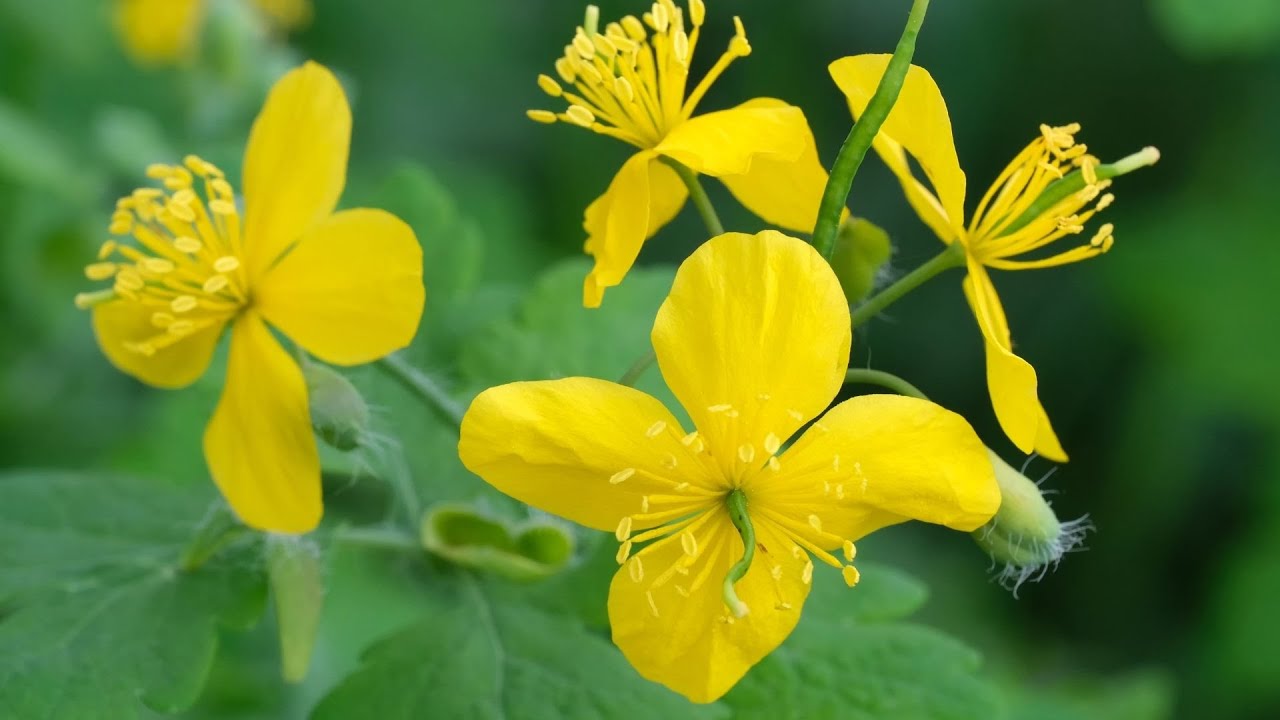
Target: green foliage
100,618
1221,27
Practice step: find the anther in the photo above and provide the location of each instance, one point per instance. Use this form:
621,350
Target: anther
129,279
624,529
774,465
697,12
542,116
653,607
815,522
644,504
162,320
850,552
226,264
655,429
188,245
796,415
179,210
772,443
579,115
723,407
746,453
624,552
621,476
658,17
100,270
550,86
669,462
835,463
689,544
635,569
222,207
634,28
183,303
851,575
1105,202
158,171
159,266
180,327
583,45
216,283
806,575
690,439
106,249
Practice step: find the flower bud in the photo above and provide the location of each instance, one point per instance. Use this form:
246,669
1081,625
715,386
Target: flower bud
1025,534
339,413
297,585
861,251
532,551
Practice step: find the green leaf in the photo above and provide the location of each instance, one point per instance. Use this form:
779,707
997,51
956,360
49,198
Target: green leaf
100,618
1141,695
481,654
554,336
1206,28
32,156
844,661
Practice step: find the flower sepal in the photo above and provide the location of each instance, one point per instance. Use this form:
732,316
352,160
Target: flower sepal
862,251
339,413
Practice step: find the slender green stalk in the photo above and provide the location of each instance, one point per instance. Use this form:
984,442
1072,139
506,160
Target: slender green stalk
699,196
427,390
637,369
884,380
738,515
863,132
952,257
378,538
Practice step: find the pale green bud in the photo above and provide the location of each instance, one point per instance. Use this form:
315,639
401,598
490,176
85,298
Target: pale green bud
339,413
1025,534
297,585
861,251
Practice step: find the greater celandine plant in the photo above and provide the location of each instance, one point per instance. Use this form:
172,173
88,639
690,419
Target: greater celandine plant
718,524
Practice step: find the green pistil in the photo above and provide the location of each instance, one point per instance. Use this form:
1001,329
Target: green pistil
737,503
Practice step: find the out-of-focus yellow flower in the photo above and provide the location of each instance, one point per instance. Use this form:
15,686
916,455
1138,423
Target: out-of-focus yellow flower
163,31
1023,212
345,286
629,82
754,341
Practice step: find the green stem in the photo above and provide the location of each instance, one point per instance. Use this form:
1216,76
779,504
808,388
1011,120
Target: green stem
378,538
885,380
952,257
863,132
427,390
218,529
698,195
737,503
637,369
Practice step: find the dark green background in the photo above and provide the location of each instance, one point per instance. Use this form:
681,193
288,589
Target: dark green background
1157,362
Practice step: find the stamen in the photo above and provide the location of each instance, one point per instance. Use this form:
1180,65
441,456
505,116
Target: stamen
851,575
746,453
850,552
623,533
689,544
622,476
635,568
624,552
771,444
543,116
655,429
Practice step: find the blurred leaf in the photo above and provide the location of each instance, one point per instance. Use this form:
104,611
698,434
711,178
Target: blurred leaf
1220,27
845,661
130,140
1146,695
554,336
32,157
99,614
481,654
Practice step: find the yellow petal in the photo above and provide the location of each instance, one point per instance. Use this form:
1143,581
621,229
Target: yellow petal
644,196
918,123
783,192
726,142
1010,379
690,645
158,31
754,341
351,291
259,445
118,323
296,162
585,449
877,460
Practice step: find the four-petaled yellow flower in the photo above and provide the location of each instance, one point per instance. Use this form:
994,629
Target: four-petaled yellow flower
163,31
1024,211
629,82
754,341
345,286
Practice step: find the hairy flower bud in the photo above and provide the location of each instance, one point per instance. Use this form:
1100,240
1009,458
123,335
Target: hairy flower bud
862,249
297,585
1025,534
339,413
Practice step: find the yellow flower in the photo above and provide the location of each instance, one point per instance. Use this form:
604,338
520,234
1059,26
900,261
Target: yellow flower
1015,218
345,286
754,341
629,82
163,31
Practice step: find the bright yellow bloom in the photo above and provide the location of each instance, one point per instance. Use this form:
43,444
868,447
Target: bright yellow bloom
345,286
629,82
1008,224
754,341
163,31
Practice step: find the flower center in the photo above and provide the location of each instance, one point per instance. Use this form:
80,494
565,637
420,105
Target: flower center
629,84
1014,219
185,262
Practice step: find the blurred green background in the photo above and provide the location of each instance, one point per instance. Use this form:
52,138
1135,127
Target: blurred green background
1157,362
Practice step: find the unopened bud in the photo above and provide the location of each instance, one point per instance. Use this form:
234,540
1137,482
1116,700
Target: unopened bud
297,585
862,249
1025,534
530,551
339,413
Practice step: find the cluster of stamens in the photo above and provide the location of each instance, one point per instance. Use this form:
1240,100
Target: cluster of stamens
186,265
999,229
629,84
679,512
